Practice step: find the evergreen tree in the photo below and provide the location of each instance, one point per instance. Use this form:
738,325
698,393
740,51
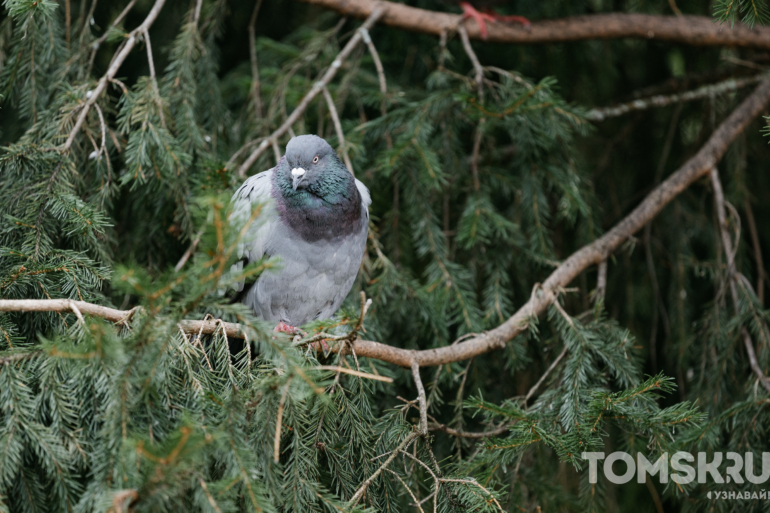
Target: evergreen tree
129,382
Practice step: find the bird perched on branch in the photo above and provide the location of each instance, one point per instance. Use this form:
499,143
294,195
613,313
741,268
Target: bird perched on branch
316,220
487,14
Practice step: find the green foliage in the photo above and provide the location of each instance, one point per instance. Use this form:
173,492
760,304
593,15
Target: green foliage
749,12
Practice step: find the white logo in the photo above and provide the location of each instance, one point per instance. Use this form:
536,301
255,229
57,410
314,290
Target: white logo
740,470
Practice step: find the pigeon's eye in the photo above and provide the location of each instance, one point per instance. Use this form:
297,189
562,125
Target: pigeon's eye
315,159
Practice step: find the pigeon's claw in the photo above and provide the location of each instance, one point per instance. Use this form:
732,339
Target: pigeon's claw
322,344
282,327
480,18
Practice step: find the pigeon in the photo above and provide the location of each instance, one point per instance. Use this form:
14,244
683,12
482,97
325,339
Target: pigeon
315,219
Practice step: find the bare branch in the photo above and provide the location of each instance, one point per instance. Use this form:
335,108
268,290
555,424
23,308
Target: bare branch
377,65
417,504
475,156
360,374
421,398
255,86
719,201
338,129
757,250
189,252
153,78
310,96
706,91
547,372
601,280
692,30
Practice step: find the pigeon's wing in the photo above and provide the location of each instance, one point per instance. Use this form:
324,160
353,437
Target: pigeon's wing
254,192
366,199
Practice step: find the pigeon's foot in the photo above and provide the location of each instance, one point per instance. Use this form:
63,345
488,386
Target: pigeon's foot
282,327
481,18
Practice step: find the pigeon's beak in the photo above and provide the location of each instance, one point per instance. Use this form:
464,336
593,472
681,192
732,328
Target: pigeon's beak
297,175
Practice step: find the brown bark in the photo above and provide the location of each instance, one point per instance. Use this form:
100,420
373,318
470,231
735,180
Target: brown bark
692,30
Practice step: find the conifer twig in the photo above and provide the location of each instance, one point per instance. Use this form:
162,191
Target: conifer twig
547,372
310,95
757,250
727,244
361,489
601,280
189,252
377,65
417,504
255,85
469,434
338,128
153,78
278,421
117,61
360,374
96,44
205,488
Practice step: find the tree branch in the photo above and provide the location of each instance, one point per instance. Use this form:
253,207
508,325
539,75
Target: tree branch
695,168
421,399
692,30
706,91
591,254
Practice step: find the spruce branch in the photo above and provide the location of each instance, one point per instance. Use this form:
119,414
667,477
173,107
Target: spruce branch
117,61
692,30
391,456
318,86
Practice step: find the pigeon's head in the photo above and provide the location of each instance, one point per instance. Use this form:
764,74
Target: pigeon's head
309,158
